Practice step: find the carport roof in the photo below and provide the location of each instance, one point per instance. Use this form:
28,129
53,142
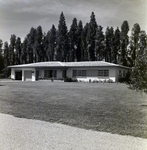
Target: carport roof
68,64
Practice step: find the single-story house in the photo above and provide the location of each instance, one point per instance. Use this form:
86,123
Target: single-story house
82,71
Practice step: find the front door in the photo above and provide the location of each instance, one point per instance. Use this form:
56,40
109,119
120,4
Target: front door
64,74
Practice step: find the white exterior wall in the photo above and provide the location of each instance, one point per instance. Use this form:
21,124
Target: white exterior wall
12,74
92,74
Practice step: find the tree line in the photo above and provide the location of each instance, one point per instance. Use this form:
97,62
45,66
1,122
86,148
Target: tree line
79,43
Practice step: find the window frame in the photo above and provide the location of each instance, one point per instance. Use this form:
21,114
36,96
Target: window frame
47,73
103,73
79,73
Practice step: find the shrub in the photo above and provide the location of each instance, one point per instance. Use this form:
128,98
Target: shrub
70,80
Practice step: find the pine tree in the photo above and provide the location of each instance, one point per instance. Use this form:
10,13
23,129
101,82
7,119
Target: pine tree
124,41
73,41
134,43
91,37
62,40
99,44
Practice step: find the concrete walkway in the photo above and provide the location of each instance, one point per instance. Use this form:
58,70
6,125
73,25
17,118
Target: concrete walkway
25,134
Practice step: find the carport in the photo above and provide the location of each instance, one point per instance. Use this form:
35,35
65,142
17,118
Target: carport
18,75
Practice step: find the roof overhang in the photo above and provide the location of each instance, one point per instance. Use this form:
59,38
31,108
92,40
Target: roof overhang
57,64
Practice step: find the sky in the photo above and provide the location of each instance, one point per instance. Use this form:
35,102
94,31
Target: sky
18,16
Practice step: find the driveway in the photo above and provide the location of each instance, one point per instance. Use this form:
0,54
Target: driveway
27,134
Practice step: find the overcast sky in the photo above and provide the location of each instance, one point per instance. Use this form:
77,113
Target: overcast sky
18,16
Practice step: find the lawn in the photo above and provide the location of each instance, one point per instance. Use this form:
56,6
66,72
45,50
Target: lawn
108,107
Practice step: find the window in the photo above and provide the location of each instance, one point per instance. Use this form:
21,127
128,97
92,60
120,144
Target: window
103,73
74,73
84,73
79,73
50,73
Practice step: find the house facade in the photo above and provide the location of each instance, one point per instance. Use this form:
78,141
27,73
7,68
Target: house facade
82,71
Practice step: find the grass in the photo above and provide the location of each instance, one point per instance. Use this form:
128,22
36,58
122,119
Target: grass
102,107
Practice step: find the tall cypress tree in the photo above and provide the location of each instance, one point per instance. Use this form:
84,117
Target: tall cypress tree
124,41
6,71
24,52
62,40
6,54
91,37
11,48
99,44
31,45
116,46
109,44
52,43
46,46
134,43
84,44
18,51
38,45
79,40
73,41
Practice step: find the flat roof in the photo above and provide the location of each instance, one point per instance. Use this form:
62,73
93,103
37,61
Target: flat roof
68,64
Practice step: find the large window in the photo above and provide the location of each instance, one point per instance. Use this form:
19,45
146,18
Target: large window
50,73
79,73
103,73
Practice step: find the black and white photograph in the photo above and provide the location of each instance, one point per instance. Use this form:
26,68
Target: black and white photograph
73,75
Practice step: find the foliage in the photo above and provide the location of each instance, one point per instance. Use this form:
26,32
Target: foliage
70,80
99,44
124,41
116,46
1,57
134,43
109,44
92,26
139,71
62,40
73,41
